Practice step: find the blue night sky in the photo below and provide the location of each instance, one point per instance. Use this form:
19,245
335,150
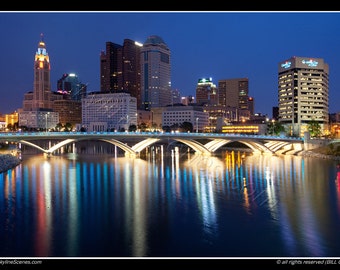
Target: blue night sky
221,45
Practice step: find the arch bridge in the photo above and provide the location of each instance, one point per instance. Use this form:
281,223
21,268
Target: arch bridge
132,143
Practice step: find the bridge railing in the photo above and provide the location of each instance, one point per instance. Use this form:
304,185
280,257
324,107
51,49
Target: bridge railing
139,133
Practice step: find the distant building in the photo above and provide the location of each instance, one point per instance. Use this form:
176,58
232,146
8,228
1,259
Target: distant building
303,93
69,111
69,84
155,73
250,128
109,111
188,100
251,106
176,96
37,107
40,119
206,92
3,124
275,113
120,69
233,94
110,67
41,95
12,119
179,114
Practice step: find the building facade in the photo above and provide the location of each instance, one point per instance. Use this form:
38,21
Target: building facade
206,92
120,68
69,84
303,93
41,95
109,111
40,119
233,95
109,67
69,111
155,73
179,114
37,111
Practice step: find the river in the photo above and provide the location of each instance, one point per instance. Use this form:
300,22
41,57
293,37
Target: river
170,204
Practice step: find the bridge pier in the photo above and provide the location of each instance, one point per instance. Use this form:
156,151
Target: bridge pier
48,155
130,155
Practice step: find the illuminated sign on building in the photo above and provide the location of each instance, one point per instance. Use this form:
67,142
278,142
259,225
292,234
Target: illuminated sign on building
205,80
310,63
286,64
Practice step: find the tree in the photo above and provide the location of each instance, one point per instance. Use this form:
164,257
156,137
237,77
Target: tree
314,128
132,127
10,127
186,126
143,126
59,126
68,127
275,128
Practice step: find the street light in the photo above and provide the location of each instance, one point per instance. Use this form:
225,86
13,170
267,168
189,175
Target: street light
46,119
151,126
197,124
127,122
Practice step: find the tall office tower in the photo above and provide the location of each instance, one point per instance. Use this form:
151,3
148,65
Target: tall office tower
303,93
206,92
120,68
131,69
70,85
155,73
109,67
40,98
233,94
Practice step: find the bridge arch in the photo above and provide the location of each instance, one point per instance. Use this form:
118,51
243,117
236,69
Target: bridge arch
33,145
128,150
215,144
197,146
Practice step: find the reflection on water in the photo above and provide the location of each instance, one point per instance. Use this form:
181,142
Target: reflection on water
230,205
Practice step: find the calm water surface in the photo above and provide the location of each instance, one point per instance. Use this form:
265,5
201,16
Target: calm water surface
180,205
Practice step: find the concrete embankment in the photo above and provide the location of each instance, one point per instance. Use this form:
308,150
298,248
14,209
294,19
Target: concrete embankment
8,161
318,155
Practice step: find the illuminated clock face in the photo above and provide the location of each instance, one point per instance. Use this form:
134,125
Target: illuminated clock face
310,63
42,51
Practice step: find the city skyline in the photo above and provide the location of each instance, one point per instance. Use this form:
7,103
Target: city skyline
221,45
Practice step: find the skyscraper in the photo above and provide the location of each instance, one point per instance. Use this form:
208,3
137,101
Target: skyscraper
120,68
233,95
155,73
69,84
110,64
206,92
303,93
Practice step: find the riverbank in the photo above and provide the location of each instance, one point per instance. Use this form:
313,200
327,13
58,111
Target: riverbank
325,152
317,154
8,161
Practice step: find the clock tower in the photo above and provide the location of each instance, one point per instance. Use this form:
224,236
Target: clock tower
42,84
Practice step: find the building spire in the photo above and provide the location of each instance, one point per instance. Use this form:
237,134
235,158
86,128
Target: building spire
42,37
